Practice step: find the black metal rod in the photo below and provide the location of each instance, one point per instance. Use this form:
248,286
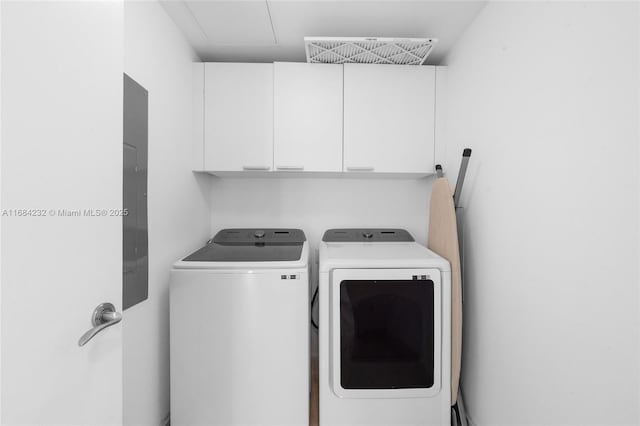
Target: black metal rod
461,174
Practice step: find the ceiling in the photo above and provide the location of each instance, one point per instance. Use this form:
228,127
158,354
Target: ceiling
273,30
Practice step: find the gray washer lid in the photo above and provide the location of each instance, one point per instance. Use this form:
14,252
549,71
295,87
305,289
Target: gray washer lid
367,235
252,245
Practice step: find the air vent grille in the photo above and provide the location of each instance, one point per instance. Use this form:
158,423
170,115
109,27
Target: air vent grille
368,50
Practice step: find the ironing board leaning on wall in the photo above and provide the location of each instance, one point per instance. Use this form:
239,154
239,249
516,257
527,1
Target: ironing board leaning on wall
443,240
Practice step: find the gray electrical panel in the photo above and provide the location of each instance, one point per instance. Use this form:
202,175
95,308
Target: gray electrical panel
135,240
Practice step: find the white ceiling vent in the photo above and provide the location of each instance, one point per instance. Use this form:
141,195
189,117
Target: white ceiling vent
368,50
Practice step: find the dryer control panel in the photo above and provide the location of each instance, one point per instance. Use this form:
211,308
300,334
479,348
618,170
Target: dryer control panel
363,235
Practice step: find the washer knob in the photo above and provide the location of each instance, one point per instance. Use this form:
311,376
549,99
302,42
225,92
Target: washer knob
367,234
258,234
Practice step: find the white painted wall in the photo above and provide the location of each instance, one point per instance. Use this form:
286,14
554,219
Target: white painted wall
318,204
159,59
546,94
0,221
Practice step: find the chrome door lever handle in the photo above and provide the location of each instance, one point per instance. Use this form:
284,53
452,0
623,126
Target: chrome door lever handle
104,316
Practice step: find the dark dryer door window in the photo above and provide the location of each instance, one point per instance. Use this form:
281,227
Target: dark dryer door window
387,334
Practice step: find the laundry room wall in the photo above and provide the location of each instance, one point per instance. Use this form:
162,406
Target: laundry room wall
0,221
546,94
158,58
317,204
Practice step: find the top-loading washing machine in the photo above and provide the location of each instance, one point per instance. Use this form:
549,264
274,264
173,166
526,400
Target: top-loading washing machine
239,331
384,330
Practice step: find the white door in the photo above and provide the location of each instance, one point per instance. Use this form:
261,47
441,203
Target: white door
307,112
61,163
389,116
238,117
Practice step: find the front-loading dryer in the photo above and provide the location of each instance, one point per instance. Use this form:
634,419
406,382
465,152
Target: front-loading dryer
384,330
239,331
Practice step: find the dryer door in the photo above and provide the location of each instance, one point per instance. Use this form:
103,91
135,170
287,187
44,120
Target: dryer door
385,332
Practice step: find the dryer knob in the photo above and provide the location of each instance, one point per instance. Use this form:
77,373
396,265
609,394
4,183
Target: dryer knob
367,234
258,234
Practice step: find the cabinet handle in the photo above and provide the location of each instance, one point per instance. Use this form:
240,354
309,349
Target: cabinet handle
256,168
360,169
290,167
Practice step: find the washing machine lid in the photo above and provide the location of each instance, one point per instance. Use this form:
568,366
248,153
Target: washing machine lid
367,235
252,245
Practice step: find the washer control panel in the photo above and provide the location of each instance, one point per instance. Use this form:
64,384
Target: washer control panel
250,236
252,245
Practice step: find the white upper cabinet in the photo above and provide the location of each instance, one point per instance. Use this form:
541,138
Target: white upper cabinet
238,117
389,116
285,117
307,117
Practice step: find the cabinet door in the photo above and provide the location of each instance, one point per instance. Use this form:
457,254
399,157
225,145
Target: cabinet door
308,117
389,118
238,125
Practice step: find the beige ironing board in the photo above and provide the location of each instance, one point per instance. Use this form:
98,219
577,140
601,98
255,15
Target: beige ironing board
443,239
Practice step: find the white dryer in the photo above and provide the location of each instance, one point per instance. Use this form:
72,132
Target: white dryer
384,324
239,331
